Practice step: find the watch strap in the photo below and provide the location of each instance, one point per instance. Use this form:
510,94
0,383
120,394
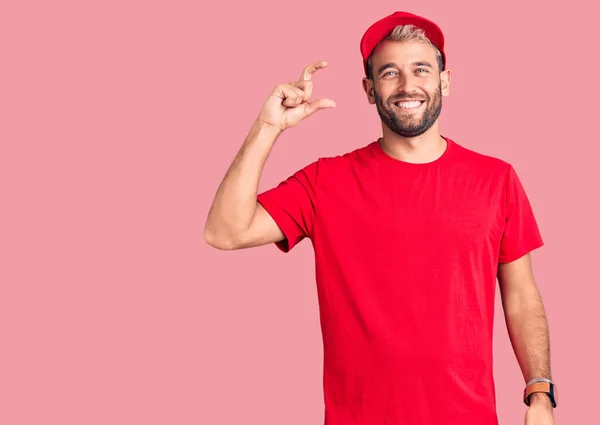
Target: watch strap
540,387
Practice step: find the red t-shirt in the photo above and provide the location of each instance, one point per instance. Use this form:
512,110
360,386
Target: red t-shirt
406,261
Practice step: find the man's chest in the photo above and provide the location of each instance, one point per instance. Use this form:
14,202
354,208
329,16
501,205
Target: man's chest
462,213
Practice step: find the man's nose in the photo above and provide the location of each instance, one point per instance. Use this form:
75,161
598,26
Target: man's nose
406,82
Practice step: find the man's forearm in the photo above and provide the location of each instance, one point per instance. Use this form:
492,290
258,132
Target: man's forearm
528,330
234,204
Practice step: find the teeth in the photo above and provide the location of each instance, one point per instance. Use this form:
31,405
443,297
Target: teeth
409,105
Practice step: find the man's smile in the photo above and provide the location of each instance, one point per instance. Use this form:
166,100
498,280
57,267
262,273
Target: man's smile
411,104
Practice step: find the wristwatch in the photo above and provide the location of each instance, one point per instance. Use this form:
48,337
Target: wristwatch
540,385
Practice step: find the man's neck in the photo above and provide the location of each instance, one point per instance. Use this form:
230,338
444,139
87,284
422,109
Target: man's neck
426,147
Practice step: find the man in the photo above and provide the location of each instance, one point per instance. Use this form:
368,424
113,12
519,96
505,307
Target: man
410,233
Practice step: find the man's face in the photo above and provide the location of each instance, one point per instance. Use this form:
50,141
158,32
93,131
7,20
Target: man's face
407,87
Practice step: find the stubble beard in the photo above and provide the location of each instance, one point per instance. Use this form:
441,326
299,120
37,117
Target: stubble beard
409,126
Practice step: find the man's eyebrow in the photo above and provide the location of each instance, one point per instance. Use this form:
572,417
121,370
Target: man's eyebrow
422,63
385,66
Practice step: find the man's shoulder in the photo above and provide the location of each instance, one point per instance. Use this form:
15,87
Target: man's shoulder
480,160
335,165
349,157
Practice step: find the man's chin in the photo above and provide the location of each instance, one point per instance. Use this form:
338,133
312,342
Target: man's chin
409,132
406,128
410,124
409,116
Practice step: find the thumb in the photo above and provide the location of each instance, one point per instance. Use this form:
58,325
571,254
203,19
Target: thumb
316,105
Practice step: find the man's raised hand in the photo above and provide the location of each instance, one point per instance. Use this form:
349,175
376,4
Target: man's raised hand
288,104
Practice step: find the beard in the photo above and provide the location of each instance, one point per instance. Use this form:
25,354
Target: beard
409,125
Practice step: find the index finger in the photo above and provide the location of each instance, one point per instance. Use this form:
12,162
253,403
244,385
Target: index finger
311,69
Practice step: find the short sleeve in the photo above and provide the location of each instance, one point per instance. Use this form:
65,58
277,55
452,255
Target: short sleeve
521,232
292,205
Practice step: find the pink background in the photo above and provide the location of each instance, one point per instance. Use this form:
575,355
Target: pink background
119,120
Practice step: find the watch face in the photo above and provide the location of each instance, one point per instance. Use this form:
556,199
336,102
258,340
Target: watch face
554,393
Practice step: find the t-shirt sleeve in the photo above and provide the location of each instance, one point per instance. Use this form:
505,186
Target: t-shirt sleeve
292,205
521,232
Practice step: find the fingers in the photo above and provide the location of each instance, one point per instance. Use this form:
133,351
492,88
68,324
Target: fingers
306,86
292,95
313,107
298,92
311,69
305,83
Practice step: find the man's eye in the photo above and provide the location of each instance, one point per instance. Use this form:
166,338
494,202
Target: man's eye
389,72
422,69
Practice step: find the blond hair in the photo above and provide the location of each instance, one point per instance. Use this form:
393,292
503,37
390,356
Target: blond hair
405,33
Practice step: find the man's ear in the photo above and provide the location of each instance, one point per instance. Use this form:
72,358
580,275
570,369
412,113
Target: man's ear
368,88
445,81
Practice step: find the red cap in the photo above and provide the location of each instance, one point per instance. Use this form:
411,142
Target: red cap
382,28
